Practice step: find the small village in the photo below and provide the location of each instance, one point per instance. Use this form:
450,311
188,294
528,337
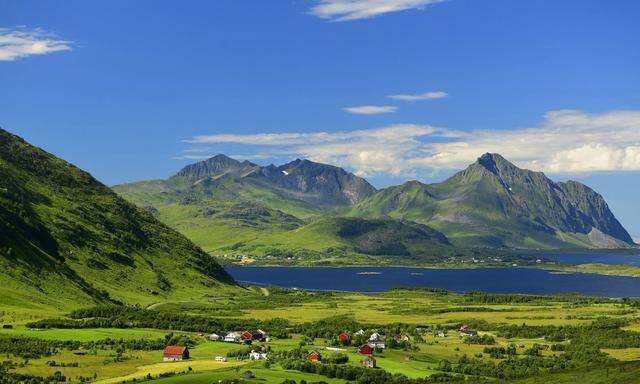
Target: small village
256,342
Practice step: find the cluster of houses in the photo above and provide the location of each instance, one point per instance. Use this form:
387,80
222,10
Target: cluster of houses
241,337
375,341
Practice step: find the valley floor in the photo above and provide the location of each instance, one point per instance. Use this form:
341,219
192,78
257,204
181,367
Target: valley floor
566,338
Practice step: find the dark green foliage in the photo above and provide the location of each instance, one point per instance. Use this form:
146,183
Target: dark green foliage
32,348
488,298
480,340
111,316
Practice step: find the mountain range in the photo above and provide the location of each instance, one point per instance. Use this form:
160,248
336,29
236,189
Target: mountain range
239,208
65,239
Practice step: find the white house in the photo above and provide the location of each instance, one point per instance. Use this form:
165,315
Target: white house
360,332
376,341
221,359
215,337
255,355
232,337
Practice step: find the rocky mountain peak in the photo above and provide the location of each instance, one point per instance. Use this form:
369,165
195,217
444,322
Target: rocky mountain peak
213,166
496,164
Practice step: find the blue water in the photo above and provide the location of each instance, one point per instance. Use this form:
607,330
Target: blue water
491,280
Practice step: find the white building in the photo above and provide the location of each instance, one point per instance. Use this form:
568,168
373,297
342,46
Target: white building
376,341
254,355
232,337
215,337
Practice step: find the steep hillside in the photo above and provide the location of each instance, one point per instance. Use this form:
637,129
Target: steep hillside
494,203
66,239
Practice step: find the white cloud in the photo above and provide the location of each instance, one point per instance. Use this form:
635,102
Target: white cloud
420,96
565,142
18,43
371,109
346,10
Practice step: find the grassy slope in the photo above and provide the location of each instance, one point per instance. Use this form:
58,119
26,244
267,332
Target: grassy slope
66,239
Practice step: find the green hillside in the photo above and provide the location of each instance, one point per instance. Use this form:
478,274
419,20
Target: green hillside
347,241
66,239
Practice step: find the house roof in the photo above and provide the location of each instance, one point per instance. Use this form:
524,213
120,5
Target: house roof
175,350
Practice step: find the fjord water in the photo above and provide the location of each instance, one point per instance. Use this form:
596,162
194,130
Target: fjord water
491,280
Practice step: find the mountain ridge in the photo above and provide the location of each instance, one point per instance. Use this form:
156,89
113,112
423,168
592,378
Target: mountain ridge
492,189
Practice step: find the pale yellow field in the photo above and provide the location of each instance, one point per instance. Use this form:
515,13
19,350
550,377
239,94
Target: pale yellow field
382,310
626,354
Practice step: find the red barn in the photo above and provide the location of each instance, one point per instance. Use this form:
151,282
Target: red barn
365,350
175,353
344,337
315,356
246,336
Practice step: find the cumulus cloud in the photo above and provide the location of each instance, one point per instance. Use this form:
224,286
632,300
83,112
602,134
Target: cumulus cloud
346,10
420,96
370,109
18,43
565,142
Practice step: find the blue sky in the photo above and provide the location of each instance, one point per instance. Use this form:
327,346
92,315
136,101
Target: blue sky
135,90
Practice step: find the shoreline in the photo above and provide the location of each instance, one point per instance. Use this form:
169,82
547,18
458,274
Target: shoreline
621,270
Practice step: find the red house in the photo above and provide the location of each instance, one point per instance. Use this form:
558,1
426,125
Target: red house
315,356
252,336
344,337
365,350
175,353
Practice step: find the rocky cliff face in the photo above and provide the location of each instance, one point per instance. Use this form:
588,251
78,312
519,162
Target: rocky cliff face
570,207
215,166
328,183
